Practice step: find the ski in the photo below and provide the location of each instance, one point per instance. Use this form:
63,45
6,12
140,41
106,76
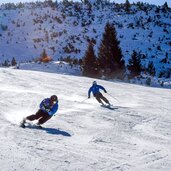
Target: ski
25,124
111,107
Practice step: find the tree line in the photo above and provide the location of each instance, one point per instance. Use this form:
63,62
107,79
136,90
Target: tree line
109,62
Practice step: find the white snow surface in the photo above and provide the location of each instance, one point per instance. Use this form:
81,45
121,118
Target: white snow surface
83,135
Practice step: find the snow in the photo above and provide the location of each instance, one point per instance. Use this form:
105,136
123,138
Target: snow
52,67
83,135
135,136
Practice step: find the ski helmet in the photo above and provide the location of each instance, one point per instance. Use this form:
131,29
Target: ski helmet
54,98
94,83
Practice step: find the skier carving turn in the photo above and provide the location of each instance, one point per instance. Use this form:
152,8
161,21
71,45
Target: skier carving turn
95,89
48,107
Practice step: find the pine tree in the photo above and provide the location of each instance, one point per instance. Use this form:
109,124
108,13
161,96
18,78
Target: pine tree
110,55
165,60
134,65
6,63
13,62
44,57
165,7
90,62
44,54
151,69
85,2
127,6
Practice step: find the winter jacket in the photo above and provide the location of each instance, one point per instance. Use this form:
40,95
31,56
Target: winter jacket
95,89
46,107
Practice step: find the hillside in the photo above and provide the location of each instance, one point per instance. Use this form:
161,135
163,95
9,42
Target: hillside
64,30
83,135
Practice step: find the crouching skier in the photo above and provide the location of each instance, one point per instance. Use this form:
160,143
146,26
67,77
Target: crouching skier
48,107
95,89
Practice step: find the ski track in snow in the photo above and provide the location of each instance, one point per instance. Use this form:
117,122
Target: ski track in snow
83,135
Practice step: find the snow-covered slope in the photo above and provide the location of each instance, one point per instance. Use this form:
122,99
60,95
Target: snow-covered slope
52,67
83,135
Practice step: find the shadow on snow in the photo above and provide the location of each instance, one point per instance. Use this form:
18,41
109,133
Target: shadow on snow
56,132
53,131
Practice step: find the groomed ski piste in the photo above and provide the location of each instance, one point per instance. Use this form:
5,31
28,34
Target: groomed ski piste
83,136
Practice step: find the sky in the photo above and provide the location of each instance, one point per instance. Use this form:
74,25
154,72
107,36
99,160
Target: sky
83,135
157,2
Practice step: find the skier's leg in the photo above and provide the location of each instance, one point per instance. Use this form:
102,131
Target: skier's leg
45,118
35,116
98,98
105,100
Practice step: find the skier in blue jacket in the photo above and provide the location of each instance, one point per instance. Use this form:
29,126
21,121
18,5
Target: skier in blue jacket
48,107
95,89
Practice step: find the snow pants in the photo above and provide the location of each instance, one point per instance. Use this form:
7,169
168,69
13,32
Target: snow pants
100,97
41,116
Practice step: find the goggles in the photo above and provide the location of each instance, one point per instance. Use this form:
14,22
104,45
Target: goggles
54,101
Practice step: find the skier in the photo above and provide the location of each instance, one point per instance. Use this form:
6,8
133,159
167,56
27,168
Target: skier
95,90
48,107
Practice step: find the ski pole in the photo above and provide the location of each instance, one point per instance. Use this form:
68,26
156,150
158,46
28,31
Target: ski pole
83,100
112,97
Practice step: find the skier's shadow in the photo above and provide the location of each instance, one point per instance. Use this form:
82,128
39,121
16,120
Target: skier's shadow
56,132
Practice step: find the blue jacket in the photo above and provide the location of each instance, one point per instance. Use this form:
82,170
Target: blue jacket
95,89
46,107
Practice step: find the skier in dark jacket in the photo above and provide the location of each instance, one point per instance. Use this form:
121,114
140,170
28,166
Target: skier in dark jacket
95,89
48,107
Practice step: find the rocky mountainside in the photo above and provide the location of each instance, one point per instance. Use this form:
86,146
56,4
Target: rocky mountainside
65,28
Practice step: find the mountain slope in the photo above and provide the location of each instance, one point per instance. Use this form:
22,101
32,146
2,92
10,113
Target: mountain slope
83,135
64,30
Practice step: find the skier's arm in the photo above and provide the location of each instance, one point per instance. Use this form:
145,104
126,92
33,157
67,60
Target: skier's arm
43,105
101,87
89,92
53,110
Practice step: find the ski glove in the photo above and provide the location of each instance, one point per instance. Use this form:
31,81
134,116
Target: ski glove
105,91
46,108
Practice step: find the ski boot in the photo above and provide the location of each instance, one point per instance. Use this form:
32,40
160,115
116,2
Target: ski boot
22,124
